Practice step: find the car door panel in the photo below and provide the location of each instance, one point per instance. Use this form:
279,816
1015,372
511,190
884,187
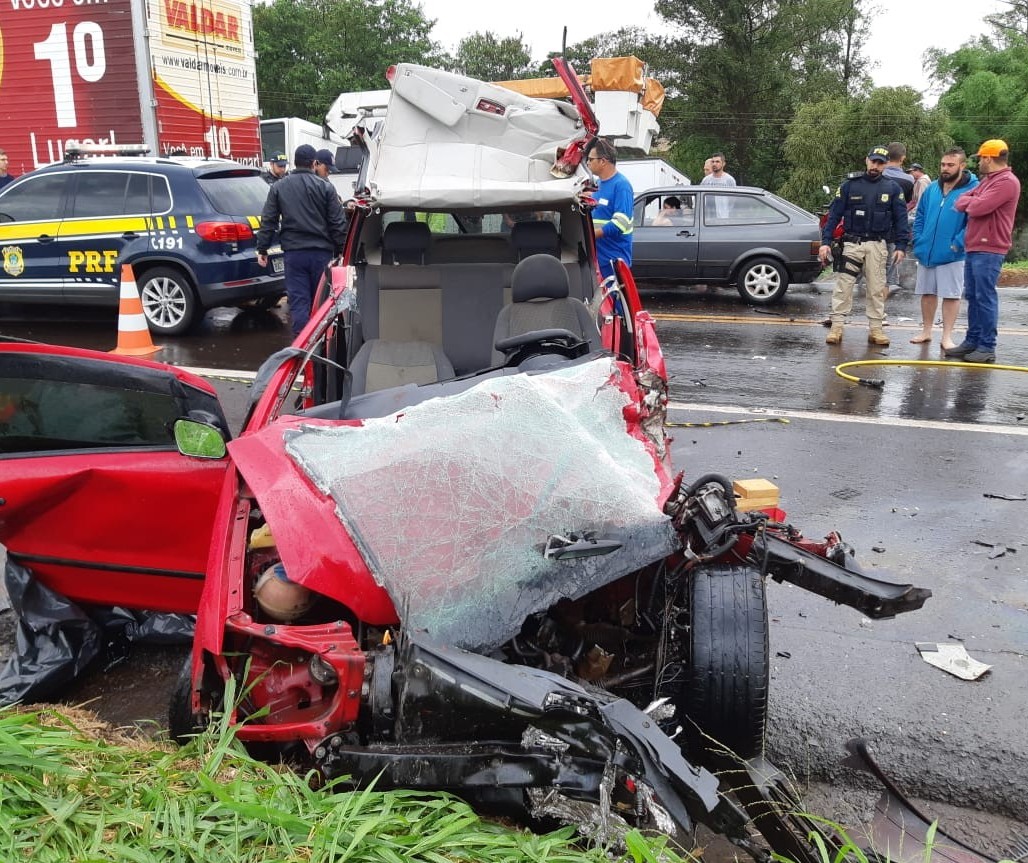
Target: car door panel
107,223
30,213
663,251
94,497
735,226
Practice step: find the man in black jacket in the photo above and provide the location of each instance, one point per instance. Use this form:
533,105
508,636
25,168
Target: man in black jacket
311,222
873,210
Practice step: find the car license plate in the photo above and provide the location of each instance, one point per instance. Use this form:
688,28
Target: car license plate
278,265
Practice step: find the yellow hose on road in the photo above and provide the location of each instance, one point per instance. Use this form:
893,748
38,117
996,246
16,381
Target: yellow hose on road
879,382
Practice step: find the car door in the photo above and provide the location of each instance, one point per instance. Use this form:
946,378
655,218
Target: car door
736,225
95,499
664,246
30,218
106,223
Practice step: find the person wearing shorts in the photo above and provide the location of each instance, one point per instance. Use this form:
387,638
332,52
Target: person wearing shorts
939,246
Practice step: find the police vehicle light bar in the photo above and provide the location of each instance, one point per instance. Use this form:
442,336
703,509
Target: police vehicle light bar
76,150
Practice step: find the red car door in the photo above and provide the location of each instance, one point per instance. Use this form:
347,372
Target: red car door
95,499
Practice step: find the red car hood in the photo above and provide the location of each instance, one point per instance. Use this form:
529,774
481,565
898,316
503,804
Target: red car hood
449,504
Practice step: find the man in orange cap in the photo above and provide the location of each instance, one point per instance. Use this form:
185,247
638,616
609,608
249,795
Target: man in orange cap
990,208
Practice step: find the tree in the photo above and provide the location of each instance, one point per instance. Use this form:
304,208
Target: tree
1011,22
310,51
830,138
626,42
489,58
737,70
987,95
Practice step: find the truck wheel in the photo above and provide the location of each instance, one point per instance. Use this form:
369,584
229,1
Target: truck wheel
762,281
726,681
169,301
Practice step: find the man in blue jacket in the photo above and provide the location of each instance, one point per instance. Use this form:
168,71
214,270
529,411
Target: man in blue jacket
939,246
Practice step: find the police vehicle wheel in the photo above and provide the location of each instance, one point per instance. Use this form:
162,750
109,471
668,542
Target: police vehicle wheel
169,302
728,670
762,281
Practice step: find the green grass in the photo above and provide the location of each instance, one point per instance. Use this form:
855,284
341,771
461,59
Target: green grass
1016,267
73,791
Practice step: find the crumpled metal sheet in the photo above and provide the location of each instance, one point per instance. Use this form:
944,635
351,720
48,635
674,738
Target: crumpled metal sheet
56,640
437,148
452,501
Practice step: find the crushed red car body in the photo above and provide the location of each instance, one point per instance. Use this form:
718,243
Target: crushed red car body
448,548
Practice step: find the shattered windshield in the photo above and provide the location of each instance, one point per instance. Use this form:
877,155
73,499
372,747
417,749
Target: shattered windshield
452,501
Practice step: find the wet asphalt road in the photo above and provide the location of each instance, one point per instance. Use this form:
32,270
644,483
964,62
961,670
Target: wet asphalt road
904,469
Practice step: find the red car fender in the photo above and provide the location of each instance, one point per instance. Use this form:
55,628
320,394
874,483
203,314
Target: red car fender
305,525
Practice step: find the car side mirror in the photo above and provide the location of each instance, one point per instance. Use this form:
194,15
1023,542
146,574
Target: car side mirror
199,440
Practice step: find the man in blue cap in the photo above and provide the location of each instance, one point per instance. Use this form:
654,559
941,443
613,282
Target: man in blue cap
323,163
873,210
277,165
311,222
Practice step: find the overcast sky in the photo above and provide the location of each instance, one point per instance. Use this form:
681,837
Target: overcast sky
898,40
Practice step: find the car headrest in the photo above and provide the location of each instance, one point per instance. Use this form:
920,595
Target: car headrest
405,243
534,238
539,277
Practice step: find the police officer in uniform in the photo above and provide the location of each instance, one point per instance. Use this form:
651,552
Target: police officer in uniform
873,210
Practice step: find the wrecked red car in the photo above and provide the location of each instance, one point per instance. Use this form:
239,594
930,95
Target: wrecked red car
448,548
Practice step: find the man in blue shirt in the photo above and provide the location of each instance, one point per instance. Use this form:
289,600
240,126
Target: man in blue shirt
612,216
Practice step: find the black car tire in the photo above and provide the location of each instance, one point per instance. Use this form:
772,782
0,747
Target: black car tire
727,675
169,301
182,722
762,281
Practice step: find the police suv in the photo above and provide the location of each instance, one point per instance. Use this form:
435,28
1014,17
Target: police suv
186,225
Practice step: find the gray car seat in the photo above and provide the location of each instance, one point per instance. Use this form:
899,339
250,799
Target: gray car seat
381,364
406,243
542,301
534,238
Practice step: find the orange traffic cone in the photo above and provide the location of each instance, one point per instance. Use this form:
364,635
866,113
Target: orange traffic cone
133,335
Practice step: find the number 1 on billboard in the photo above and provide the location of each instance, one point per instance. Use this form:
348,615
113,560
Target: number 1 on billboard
90,64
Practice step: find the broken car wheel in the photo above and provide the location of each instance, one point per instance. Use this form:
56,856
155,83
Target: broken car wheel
725,694
183,723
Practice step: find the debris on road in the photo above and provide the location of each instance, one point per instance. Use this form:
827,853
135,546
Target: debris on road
998,496
953,659
996,549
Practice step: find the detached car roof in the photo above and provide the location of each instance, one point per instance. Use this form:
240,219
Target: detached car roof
449,141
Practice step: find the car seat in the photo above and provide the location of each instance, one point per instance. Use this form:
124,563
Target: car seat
406,243
534,238
542,301
381,364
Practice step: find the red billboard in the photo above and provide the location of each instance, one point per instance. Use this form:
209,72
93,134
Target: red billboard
177,75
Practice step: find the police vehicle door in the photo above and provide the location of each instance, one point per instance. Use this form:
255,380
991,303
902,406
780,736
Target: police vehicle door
30,214
108,223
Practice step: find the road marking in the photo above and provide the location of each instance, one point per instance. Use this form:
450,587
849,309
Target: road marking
224,374
796,322
824,416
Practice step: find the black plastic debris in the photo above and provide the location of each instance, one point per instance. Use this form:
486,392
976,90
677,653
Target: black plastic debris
57,640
